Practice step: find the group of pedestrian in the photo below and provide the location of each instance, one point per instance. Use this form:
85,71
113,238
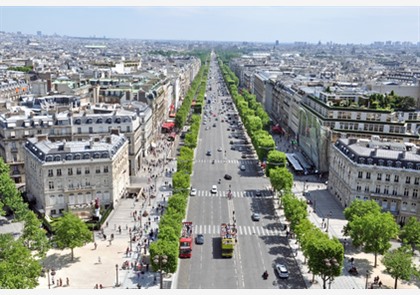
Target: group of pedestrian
98,286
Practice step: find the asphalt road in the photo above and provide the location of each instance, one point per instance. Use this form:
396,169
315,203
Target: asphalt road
261,244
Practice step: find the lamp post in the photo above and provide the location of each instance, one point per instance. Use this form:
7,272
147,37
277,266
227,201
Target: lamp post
116,275
52,270
330,263
328,220
367,278
160,260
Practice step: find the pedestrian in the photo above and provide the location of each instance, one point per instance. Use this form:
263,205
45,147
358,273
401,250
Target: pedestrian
96,286
106,224
99,259
100,286
95,245
67,281
380,284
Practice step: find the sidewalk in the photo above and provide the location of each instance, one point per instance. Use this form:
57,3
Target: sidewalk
103,265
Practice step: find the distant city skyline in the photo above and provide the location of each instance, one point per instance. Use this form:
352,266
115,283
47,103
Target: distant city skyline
356,25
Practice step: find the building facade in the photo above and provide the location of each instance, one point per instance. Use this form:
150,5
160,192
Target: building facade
71,175
384,171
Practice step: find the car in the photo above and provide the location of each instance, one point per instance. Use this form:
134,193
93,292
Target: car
199,239
242,167
243,156
208,153
214,189
228,129
231,142
228,177
219,149
281,271
214,124
193,192
240,149
258,193
255,217
233,147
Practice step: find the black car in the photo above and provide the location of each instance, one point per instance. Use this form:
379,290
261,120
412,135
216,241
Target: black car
228,177
208,153
199,239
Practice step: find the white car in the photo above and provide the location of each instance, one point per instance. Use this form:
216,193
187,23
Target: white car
242,167
214,189
282,271
193,192
219,149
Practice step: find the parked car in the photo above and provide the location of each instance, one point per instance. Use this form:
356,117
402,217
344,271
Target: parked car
281,271
214,189
193,192
242,167
228,177
258,193
208,153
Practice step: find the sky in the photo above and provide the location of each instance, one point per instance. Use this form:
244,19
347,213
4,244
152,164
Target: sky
338,24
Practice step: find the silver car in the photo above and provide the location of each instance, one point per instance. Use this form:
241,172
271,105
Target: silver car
282,271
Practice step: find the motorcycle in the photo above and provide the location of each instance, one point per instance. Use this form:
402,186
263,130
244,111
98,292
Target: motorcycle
265,275
220,181
212,162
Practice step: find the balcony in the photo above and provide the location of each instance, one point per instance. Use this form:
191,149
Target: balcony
79,188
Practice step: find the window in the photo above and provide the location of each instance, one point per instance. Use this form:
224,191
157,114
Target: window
358,188
70,171
389,163
396,178
415,191
98,170
394,192
90,130
404,206
406,191
78,171
360,175
58,172
51,185
386,190
366,189
50,173
53,212
416,180
408,179
106,169
87,170
413,207
79,130
379,177
367,175
387,177
378,189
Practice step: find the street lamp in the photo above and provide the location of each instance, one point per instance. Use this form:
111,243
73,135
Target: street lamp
328,220
160,260
330,263
116,275
367,278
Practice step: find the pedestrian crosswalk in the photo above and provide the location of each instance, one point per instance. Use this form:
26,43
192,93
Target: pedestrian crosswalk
242,230
229,161
235,194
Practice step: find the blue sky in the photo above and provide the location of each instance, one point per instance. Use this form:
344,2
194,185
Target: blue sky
234,23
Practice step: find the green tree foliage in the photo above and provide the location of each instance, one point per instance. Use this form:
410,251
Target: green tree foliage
165,248
168,233
295,210
321,250
71,232
281,179
410,233
20,69
373,231
399,264
359,208
275,159
181,182
18,268
34,236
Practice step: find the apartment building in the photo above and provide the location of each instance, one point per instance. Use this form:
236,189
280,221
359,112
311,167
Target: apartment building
380,170
71,175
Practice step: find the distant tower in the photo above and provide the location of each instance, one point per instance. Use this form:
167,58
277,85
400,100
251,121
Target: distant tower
277,42
39,33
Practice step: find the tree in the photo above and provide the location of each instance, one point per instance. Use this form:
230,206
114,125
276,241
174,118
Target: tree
165,248
321,253
295,210
275,159
34,236
281,179
71,232
399,264
410,233
373,231
18,268
359,208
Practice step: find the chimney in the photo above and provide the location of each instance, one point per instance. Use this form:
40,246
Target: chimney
108,139
41,137
115,131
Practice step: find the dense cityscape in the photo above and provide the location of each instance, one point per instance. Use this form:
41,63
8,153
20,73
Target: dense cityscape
131,164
